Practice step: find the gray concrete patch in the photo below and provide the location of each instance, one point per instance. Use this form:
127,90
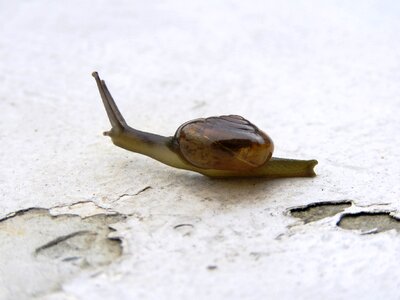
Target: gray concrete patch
369,222
319,210
43,250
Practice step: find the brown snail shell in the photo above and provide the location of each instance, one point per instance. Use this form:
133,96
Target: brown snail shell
223,143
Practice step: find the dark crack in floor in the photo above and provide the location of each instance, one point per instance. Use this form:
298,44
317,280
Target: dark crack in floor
369,222
319,210
45,250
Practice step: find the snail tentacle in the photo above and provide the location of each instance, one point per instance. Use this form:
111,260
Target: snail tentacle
114,115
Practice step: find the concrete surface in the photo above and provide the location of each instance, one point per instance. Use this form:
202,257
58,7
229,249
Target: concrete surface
321,77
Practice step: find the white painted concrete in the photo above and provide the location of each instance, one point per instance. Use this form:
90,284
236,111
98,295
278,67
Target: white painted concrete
322,78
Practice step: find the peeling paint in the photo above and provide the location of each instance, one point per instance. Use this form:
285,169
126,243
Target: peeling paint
369,222
44,250
319,210
85,208
132,195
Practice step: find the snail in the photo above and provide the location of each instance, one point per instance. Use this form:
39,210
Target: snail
224,146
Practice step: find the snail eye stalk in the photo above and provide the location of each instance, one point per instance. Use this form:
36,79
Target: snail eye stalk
114,115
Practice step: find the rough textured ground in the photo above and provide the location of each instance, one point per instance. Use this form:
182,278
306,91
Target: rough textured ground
322,78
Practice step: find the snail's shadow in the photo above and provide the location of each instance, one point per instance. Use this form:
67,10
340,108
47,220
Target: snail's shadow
232,191
229,192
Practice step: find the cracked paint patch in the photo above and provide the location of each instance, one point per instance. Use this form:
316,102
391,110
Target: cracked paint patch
132,195
319,210
84,209
44,250
369,222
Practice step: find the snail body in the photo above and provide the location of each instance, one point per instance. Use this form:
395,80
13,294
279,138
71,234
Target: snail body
224,146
